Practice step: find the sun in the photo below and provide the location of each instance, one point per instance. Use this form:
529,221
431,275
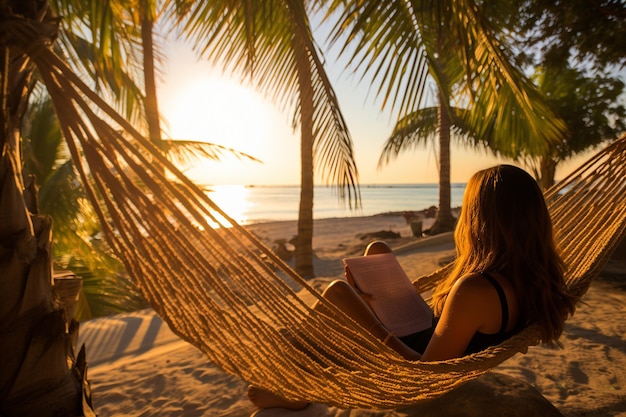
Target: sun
210,107
221,111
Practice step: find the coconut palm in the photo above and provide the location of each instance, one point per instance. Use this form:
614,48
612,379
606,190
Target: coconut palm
590,117
452,41
418,129
25,238
272,43
42,375
591,108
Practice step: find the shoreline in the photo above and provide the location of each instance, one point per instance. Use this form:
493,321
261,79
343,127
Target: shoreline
418,214
250,205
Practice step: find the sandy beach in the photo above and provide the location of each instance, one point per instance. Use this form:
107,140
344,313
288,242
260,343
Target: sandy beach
138,367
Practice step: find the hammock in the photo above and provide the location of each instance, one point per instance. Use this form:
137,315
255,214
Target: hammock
222,290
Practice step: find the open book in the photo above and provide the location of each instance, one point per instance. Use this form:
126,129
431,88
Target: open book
394,299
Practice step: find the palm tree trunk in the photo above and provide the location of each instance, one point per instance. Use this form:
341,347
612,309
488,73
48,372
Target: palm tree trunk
151,103
36,353
445,221
547,167
304,238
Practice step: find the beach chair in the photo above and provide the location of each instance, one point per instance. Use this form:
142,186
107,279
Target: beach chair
222,290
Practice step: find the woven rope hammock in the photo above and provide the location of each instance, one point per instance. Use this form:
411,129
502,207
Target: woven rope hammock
222,290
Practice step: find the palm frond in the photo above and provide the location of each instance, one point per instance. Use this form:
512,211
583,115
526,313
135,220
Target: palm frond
501,97
187,152
417,128
409,132
41,139
393,40
103,44
383,40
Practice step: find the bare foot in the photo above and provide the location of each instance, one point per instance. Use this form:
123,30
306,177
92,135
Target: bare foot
266,399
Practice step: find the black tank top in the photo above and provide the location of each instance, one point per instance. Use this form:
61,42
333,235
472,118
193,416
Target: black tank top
480,341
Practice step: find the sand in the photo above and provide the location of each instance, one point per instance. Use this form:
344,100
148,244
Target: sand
138,367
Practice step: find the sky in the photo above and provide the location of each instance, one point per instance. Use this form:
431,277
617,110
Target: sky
201,102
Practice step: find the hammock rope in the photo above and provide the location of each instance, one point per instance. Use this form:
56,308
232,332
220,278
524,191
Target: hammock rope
222,290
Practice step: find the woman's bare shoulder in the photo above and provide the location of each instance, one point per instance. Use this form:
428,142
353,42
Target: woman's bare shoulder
477,294
472,282
472,292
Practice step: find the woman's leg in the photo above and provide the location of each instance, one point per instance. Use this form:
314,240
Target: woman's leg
349,301
343,295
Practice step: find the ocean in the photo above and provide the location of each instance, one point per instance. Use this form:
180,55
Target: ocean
254,204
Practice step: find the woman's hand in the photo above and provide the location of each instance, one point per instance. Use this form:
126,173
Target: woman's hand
365,296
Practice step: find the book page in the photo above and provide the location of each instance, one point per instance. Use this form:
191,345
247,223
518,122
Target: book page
394,299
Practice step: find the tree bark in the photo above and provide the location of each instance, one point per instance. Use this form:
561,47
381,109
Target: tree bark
40,374
151,102
548,170
444,222
304,238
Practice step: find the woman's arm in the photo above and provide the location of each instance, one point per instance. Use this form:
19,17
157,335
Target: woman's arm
471,306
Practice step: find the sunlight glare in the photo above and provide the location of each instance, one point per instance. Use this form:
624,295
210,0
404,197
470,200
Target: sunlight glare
234,200
221,111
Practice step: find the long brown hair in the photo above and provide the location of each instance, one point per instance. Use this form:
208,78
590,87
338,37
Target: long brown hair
504,227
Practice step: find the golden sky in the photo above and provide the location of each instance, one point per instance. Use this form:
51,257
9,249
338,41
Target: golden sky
200,102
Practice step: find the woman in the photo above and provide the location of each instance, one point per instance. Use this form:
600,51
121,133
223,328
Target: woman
507,275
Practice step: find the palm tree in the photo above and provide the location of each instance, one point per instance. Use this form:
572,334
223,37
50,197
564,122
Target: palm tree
591,108
41,373
415,129
273,44
185,151
145,15
28,304
401,42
